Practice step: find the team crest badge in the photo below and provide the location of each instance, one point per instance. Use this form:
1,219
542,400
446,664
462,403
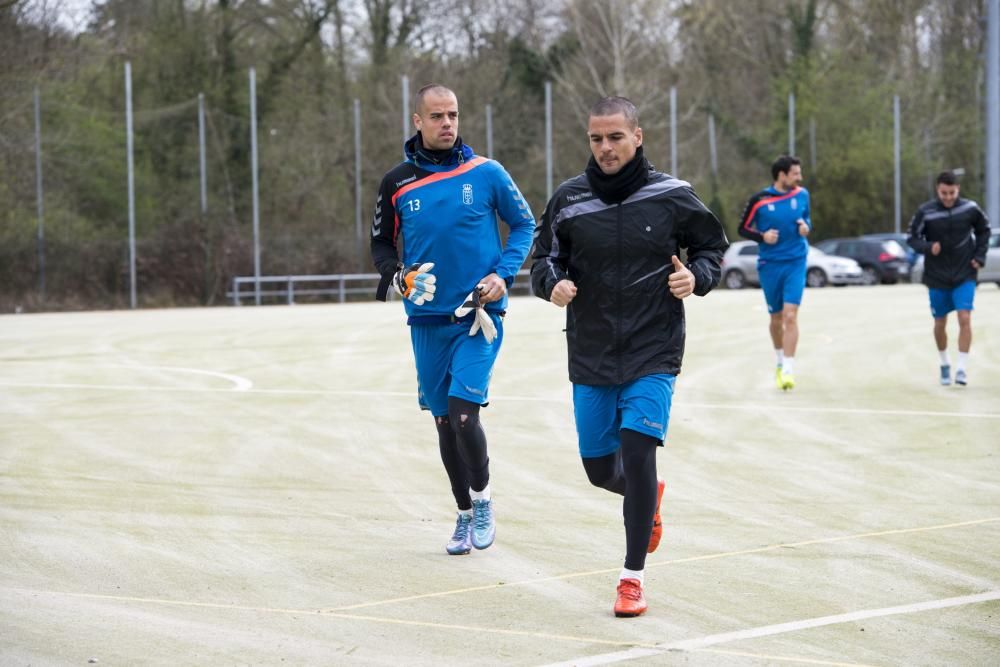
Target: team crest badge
467,193
795,204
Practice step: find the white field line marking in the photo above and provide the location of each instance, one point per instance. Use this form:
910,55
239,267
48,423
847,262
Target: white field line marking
784,658
240,383
680,404
639,650
777,629
330,614
689,559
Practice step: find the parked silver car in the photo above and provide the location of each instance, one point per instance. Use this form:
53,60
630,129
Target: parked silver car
739,267
990,273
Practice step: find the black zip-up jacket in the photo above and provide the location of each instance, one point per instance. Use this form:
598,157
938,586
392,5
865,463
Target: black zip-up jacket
962,231
624,323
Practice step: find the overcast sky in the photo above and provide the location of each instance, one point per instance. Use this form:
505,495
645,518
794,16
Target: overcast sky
71,14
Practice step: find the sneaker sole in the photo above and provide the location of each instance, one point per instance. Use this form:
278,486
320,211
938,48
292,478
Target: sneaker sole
485,546
458,553
627,614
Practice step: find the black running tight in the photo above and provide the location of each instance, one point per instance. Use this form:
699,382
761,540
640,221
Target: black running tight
463,449
630,472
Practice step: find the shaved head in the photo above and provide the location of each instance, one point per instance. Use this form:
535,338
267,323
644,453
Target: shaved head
611,106
435,89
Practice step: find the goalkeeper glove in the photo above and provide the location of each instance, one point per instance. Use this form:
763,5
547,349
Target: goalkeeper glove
415,282
482,319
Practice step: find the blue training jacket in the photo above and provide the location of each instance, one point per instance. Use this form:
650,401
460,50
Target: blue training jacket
445,211
772,209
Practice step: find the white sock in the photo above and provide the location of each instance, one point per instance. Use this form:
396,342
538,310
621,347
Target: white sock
467,512
779,355
480,495
962,358
945,361
631,574
788,367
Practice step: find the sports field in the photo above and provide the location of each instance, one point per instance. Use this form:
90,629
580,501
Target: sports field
236,486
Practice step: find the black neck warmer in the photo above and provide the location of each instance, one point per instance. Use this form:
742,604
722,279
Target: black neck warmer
437,157
616,188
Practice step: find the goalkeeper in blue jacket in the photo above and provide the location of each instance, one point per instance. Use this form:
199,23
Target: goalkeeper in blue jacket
442,203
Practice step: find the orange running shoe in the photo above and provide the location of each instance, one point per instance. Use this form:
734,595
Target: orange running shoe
630,600
654,537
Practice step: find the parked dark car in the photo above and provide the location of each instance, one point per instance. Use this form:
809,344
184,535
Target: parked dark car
881,260
901,239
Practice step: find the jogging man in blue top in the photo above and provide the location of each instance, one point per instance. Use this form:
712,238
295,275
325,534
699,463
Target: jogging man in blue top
441,203
953,235
777,218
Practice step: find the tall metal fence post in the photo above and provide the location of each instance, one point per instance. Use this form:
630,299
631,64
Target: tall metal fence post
131,183
357,184
713,158
203,176
993,112
256,198
489,131
405,81
548,140
40,196
791,123
897,178
812,144
673,130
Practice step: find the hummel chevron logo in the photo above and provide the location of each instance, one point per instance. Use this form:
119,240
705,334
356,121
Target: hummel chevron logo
377,220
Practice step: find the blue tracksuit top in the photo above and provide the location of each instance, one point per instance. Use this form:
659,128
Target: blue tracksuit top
772,209
446,213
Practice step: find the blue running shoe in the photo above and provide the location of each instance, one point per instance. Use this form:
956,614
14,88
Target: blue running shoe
484,526
945,375
461,540
960,378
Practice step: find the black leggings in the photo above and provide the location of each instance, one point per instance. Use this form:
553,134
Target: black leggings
630,472
462,441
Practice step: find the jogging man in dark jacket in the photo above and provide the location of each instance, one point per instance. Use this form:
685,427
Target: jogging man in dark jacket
608,249
953,234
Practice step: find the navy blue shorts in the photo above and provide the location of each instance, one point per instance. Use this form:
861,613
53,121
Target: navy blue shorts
450,362
943,301
601,411
783,282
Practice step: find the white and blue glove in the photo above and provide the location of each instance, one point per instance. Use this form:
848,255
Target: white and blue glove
415,282
482,320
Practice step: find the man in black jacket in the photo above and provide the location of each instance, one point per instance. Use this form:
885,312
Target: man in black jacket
953,235
608,248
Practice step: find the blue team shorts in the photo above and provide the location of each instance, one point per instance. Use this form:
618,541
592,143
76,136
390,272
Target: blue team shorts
601,411
783,282
450,362
943,301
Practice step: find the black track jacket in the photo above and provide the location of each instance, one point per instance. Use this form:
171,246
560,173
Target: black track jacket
624,323
963,233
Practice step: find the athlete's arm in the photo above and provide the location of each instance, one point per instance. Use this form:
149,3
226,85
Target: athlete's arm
748,221
515,211
550,255
981,226
918,239
383,240
702,234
